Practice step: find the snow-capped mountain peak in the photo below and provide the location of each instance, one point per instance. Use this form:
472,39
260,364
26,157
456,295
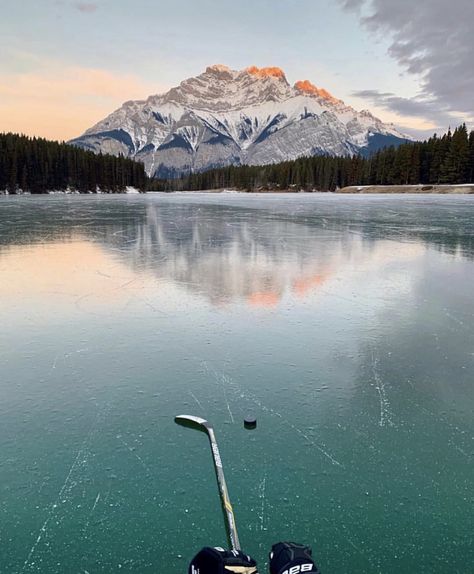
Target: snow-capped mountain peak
220,88
224,116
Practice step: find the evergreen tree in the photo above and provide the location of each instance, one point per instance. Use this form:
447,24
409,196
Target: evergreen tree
455,166
446,159
470,177
37,165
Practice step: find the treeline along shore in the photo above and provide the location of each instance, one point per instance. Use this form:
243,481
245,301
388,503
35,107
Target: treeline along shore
440,160
36,165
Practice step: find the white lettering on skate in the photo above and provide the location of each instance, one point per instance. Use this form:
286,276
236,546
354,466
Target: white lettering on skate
299,568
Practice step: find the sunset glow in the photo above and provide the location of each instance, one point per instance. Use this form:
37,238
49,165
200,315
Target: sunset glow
66,65
307,87
60,102
266,72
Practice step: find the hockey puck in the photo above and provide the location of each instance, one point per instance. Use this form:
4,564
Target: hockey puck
250,422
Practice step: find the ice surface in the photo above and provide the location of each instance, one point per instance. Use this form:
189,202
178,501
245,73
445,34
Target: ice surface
345,324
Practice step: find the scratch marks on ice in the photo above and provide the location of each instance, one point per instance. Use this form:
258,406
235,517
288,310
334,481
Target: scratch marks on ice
379,384
230,383
96,502
224,381
262,493
197,401
62,498
64,495
135,454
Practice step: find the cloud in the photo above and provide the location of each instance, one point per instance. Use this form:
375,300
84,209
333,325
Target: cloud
433,40
407,107
73,82
351,4
86,7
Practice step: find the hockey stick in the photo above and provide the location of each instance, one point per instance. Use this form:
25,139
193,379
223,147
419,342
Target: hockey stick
202,424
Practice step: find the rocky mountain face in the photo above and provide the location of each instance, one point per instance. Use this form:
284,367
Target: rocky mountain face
229,117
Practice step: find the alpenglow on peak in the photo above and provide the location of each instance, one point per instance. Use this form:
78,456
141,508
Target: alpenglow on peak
230,117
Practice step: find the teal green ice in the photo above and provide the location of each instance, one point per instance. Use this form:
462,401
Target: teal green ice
345,325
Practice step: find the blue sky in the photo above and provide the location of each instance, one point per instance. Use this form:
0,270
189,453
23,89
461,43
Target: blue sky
66,64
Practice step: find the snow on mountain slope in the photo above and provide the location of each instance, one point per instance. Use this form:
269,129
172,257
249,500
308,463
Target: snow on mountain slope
225,116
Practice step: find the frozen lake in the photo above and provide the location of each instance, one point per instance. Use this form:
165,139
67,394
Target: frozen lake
345,324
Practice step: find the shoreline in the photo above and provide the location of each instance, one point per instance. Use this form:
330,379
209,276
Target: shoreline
465,188
437,189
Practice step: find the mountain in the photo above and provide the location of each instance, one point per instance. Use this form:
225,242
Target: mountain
223,116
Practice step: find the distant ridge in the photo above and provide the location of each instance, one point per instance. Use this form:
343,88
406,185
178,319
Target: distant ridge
232,117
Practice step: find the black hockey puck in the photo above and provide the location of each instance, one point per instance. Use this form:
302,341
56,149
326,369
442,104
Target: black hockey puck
250,422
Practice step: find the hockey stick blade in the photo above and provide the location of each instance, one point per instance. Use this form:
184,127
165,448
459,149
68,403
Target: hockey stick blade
190,421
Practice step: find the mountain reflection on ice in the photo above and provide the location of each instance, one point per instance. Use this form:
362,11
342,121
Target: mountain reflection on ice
241,265
226,251
345,324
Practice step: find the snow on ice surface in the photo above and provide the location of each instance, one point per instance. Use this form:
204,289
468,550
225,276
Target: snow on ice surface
345,324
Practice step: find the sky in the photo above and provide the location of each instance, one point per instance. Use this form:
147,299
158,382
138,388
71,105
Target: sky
66,64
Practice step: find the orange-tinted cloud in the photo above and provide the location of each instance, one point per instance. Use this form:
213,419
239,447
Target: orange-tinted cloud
61,102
